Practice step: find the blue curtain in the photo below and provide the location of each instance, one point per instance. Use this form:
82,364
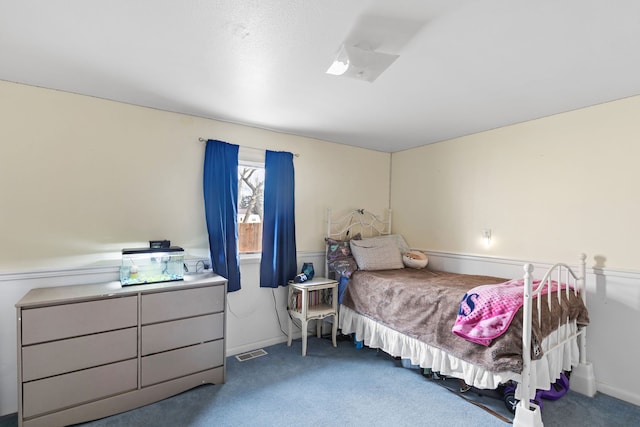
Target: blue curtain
221,209
279,263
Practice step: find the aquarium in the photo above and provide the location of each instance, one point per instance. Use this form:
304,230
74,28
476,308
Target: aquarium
151,265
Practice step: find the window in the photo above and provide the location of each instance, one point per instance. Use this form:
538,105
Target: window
250,206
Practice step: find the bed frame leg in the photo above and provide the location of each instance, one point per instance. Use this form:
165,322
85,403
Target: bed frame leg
528,417
583,379
357,344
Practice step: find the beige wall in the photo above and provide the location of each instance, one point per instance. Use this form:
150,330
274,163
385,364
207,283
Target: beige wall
548,189
82,177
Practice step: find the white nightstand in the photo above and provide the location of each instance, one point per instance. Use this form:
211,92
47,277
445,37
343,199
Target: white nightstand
313,300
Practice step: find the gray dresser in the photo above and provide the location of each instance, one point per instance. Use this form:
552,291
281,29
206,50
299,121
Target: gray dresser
89,351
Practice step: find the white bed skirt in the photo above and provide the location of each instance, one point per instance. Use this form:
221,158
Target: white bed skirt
559,354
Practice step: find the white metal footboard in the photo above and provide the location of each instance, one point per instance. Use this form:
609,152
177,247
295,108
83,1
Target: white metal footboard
582,379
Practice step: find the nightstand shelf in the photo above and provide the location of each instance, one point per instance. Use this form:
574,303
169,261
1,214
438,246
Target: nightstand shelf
320,310
314,299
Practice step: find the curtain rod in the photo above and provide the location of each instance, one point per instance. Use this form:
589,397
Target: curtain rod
245,146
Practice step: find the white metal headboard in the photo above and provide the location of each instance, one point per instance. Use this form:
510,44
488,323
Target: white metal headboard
357,221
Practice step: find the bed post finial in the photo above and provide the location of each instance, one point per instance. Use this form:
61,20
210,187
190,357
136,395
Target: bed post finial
582,279
528,269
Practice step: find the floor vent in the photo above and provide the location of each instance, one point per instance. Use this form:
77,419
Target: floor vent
250,355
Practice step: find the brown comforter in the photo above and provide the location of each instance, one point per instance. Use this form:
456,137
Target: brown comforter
423,304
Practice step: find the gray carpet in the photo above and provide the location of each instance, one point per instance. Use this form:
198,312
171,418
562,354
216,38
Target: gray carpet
343,386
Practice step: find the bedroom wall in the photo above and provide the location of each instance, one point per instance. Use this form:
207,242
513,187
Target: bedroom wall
548,189
82,177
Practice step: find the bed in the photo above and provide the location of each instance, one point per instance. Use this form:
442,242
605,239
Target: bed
410,313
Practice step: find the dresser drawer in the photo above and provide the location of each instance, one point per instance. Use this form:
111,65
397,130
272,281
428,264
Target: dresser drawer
181,333
82,318
184,361
59,357
78,387
162,306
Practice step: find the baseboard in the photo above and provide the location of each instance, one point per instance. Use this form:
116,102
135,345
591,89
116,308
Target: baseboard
232,351
629,397
297,334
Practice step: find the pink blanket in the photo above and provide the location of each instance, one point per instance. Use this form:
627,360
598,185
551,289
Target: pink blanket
486,311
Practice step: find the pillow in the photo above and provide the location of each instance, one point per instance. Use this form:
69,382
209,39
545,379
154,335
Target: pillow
338,249
342,267
415,259
397,239
377,253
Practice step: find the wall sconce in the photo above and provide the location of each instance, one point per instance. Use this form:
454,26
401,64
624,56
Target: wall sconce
486,236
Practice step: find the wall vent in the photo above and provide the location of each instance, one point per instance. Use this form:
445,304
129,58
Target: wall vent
250,355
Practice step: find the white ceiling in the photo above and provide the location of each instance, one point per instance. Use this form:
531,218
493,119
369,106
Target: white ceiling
465,65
